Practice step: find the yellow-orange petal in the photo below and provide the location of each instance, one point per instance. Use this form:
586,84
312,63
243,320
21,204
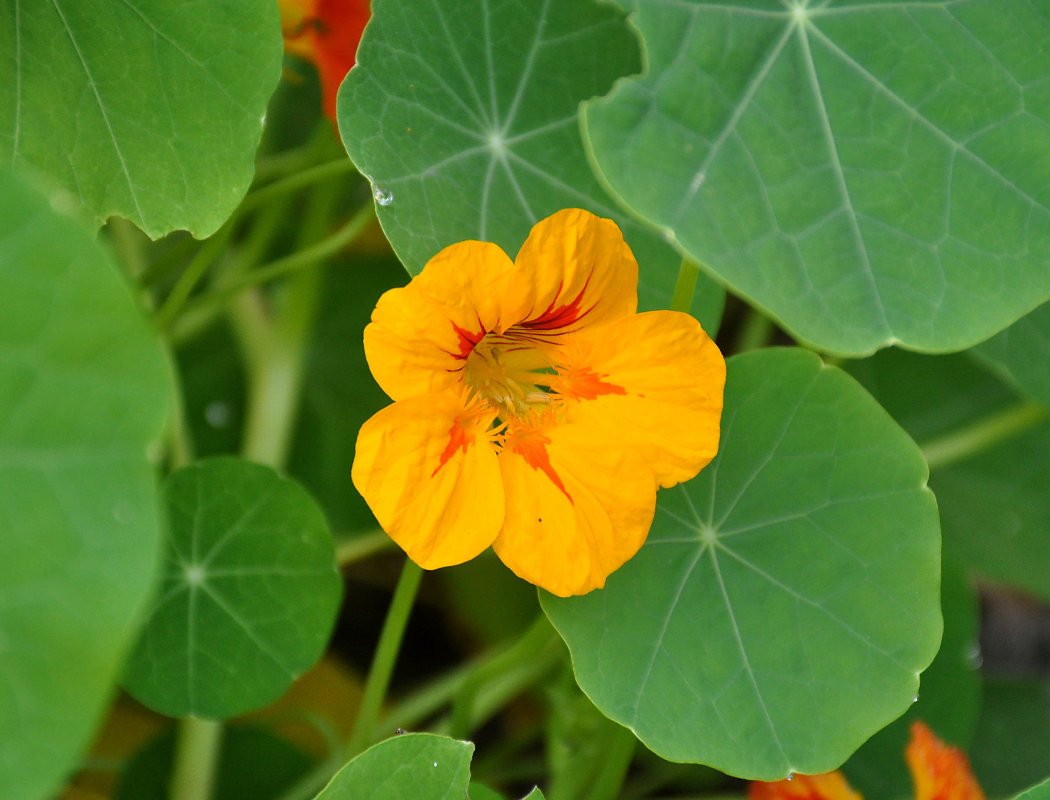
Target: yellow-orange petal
578,271
654,383
429,472
422,333
827,786
938,771
577,507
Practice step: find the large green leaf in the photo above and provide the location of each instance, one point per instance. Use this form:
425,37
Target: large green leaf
84,389
465,119
786,599
1022,353
148,109
867,172
249,592
422,766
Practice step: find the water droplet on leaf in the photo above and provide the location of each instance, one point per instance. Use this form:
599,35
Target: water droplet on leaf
383,196
790,776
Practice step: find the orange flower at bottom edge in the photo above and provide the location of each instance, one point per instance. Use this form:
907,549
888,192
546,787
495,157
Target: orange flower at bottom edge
327,33
939,772
534,410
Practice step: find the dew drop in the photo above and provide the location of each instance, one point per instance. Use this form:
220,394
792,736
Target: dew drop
435,763
915,699
217,414
399,731
383,196
790,776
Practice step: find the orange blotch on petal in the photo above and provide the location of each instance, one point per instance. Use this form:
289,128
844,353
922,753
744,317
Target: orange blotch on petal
939,772
582,383
571,547
826,786
531,445
673,377
428,469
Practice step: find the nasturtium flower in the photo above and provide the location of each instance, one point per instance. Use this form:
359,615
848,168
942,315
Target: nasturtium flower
534,410
938,772
327,33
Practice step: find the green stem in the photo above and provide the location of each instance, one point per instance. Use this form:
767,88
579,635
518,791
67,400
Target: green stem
755,332
616,760
197,749
298,180
212,301
191,276
360,547
983,434
384,658
524,652
682,299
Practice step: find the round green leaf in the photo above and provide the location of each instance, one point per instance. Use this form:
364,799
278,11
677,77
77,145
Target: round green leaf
786,599
867,172
422,766
1022,353
84,388
249,593
150,109
465,118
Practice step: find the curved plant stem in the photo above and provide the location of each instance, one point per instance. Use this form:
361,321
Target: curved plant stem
362,546
298,180
755,332
191,276
384,658
211,303
685,286
983,434
197,749
522,653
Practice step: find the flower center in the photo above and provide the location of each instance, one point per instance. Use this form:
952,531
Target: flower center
511,374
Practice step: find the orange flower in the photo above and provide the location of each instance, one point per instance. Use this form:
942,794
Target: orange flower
938,771
326,32
829,786
534,409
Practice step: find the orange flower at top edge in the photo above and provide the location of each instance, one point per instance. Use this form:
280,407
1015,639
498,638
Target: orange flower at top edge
326,32
534,410
939,772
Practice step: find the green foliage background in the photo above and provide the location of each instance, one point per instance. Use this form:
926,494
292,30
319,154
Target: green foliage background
852,195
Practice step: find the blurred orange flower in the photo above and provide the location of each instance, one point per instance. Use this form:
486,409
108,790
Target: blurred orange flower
325,32
939,772
534,409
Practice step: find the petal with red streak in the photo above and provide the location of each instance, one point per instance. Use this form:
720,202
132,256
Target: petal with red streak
429,472
577,508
